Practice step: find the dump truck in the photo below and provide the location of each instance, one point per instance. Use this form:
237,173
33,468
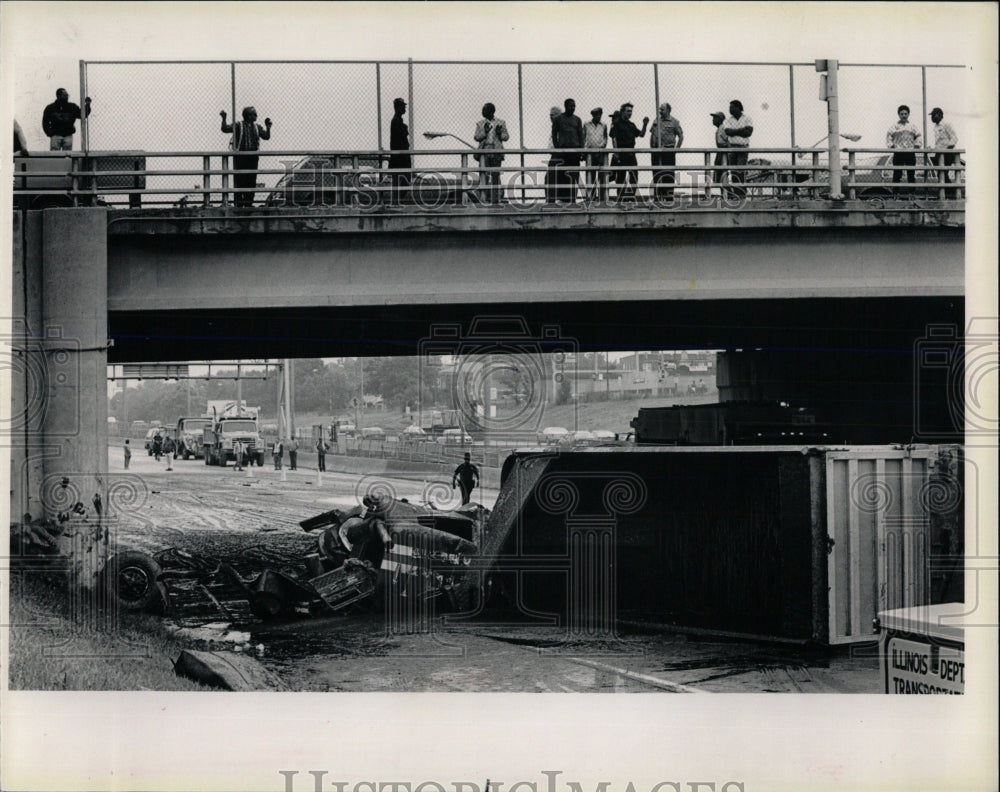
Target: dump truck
189,436
218,438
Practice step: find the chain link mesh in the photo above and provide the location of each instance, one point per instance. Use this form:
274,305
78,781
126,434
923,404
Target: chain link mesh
348,106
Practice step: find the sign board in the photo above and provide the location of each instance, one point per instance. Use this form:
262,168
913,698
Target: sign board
155,371
922,650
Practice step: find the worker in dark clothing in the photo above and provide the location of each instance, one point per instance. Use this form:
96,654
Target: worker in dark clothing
59,120
367,538
399,140
466,476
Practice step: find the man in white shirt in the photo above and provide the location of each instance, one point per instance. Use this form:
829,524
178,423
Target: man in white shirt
903,136
595,136
738,129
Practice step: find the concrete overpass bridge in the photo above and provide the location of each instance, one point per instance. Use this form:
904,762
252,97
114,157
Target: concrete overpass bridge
826,300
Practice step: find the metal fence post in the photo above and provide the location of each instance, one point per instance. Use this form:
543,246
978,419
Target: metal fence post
84,121
520,123
791,101
378,102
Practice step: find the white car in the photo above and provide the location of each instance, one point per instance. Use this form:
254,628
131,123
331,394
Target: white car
454,437
552,434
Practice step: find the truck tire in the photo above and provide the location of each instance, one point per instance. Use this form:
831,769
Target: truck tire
131,578
222,459
208,457
260,459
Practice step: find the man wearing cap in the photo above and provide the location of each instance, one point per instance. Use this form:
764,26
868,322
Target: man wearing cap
738,128
903,136
665,136
399,140
595,136
944,138
721,141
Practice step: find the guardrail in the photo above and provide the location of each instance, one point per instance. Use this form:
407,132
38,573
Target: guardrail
358,181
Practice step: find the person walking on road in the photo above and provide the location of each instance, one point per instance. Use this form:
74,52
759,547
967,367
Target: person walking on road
466,476
128,453
238,454
321,449
278,452
168,452
157,446
59,120
293,454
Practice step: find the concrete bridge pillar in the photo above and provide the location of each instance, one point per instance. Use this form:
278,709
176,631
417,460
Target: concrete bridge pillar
72,343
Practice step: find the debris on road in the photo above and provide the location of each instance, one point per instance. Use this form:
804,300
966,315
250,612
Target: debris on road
226,670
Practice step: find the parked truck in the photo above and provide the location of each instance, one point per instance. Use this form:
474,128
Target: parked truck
189,436
218,438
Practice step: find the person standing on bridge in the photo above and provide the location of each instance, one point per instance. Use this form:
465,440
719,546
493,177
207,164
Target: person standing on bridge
466,476
944,139
399,140
595,136
718,174
903,136
624,133
567,133
665,137
491,133
247,135
59,120
738,129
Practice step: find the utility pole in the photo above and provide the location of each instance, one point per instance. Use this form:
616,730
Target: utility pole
828,91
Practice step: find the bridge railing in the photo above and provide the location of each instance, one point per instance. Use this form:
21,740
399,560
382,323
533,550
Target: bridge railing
452,180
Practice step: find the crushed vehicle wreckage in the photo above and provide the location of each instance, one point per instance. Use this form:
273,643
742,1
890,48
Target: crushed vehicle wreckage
381,552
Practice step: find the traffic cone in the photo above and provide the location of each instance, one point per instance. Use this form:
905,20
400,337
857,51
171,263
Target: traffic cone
249,471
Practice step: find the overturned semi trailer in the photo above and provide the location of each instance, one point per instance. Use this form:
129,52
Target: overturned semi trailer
784,542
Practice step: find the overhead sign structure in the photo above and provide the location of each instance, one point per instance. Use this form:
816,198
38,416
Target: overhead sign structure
155,371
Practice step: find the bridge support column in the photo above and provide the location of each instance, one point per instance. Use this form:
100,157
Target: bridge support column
73,345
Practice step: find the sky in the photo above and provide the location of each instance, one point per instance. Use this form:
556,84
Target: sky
207,741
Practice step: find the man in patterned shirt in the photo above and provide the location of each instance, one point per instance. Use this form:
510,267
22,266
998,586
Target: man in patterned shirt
247,135
944,138
904,137
738,128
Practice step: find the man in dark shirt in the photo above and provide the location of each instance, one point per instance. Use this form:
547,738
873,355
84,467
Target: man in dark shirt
59,121
624,134
567,133
399,140
466,476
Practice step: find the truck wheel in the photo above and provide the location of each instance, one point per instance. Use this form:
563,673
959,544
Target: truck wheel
260,459
131,580
208,457
222,459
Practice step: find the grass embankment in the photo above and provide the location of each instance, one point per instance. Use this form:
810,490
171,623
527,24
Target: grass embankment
51,648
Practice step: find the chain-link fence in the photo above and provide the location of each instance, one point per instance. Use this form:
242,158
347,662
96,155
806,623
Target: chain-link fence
348,107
